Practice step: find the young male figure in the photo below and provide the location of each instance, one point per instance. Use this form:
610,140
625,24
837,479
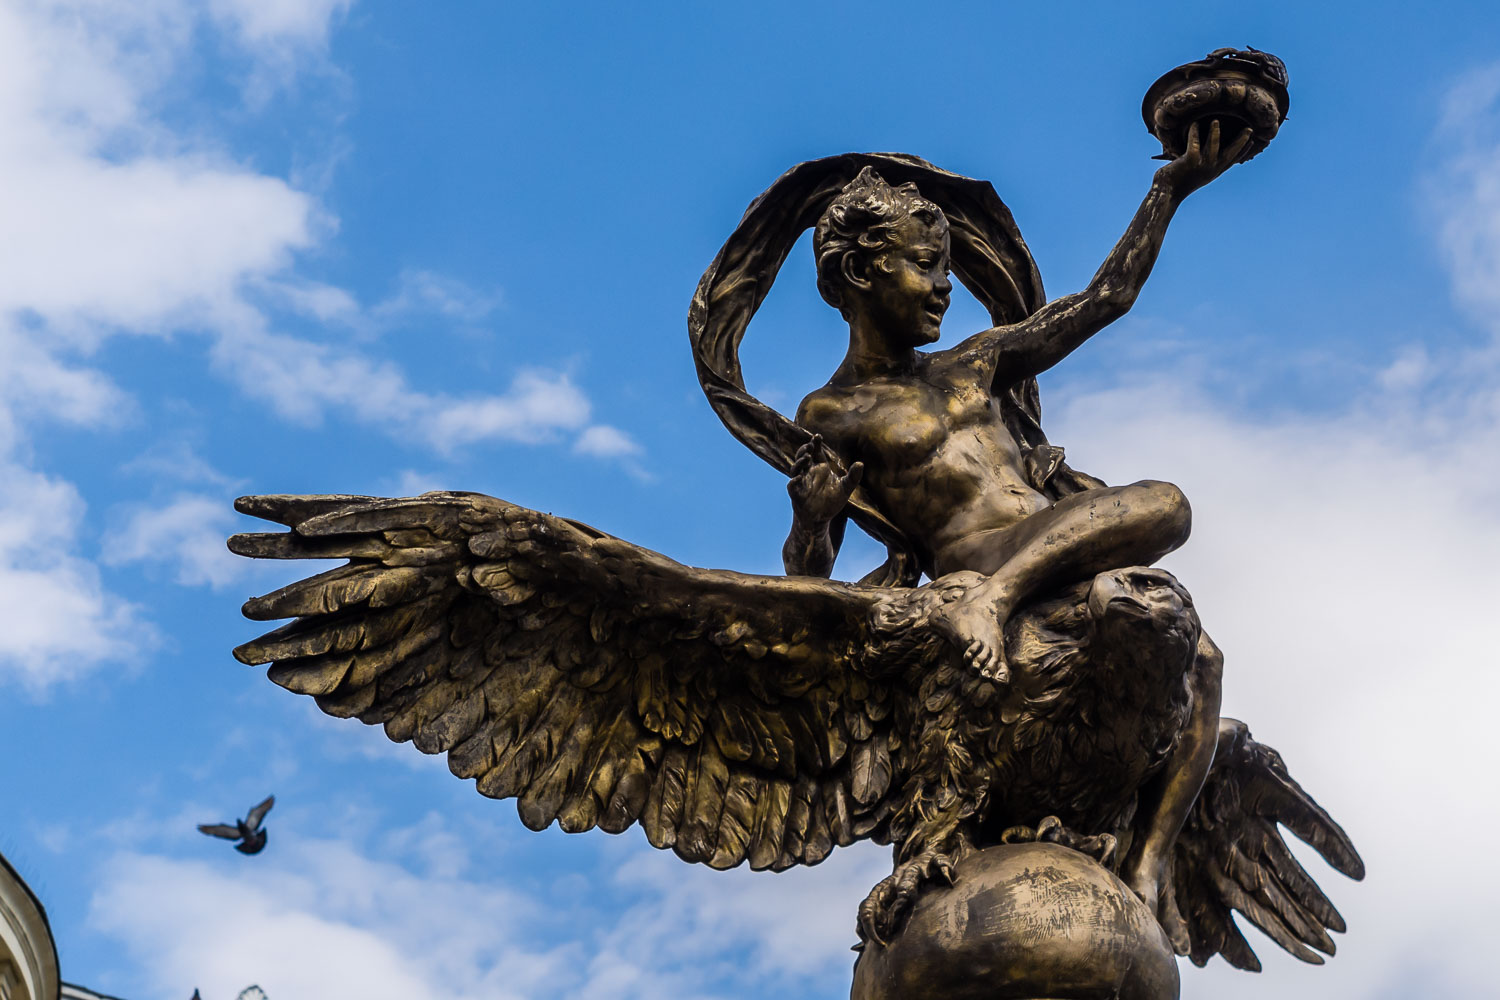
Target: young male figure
923,432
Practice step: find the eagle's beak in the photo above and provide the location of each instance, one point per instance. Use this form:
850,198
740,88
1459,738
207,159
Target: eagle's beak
1109,588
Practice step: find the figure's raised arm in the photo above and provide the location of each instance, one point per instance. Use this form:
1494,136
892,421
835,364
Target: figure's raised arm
1050,334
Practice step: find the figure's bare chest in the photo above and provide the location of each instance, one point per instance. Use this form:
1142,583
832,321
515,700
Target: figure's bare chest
902,424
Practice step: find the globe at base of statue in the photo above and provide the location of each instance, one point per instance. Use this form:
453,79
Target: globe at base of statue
1024,922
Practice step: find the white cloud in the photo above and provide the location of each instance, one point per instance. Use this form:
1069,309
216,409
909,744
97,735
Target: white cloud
307,381
1344,564
111,223
35,384
603,441
318,919
175,461
186,533
60,621
134,236
133,244
536,405
116,223
797,924
410,917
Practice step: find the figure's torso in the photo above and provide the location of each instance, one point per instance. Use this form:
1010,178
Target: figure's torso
939,460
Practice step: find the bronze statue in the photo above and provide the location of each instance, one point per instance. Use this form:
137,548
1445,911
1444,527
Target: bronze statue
1044,711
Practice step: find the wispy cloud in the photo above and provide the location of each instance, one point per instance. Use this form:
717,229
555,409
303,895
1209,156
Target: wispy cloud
309,381
185,534
603,441
427,293
1465,191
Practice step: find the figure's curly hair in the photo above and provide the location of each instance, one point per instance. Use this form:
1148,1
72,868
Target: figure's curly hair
864,219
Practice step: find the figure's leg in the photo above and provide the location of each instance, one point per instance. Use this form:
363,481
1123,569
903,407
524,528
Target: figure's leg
1167,800
1075,538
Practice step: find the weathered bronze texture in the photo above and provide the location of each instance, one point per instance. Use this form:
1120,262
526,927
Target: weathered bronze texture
1040,720
1003,914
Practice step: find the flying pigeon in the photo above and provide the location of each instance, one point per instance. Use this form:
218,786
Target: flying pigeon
252,839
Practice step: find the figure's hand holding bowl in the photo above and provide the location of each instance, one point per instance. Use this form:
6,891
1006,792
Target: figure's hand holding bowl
819,486
1244,90
1206,157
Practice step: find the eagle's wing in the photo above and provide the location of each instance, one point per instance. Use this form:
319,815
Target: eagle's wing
599,683
220,830
1231,856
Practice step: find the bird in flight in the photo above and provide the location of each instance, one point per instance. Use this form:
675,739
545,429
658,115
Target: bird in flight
248,831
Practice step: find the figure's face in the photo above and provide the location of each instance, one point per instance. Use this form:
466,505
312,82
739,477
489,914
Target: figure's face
909,286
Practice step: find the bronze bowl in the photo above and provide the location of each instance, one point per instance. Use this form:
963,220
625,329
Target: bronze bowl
1242,88
1021,922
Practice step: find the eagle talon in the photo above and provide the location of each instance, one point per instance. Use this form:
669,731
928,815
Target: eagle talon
1050,830
883,912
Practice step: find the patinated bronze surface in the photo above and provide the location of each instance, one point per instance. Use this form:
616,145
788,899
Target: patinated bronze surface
1035,730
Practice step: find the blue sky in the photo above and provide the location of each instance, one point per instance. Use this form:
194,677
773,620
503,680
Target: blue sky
354,246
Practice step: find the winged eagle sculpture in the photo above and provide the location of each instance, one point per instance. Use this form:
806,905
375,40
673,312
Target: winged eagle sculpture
740,718
1046,695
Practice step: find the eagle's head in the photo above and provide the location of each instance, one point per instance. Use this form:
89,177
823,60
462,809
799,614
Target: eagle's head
1145,608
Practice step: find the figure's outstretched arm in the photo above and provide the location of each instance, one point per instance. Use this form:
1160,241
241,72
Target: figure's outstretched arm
1040,341
819,494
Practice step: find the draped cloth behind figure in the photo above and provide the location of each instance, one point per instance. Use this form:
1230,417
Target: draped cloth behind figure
989,257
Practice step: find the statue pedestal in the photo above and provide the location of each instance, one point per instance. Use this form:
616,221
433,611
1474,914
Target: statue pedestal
1024,922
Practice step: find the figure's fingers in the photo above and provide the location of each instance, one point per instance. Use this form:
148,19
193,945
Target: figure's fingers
1211,151
1193,148
852,478
1237,148
803,458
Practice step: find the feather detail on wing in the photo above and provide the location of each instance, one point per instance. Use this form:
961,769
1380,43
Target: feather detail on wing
598,683
1231,856
220,830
